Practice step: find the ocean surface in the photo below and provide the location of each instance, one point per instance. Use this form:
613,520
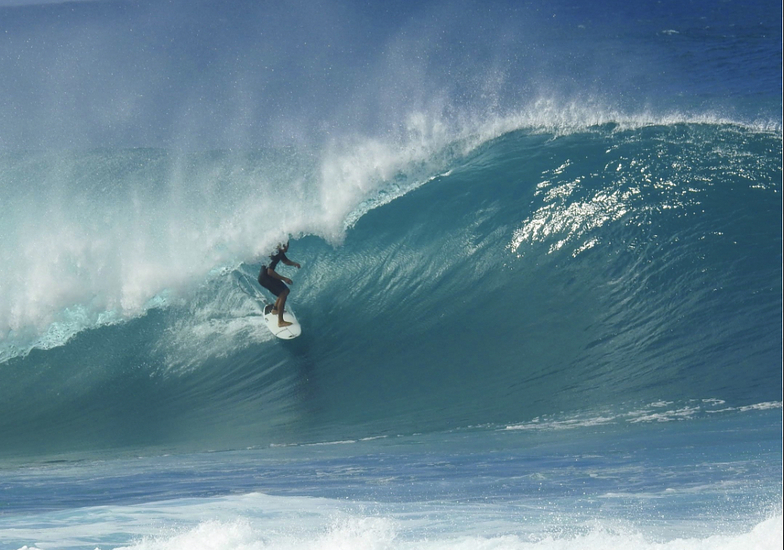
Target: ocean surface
541,282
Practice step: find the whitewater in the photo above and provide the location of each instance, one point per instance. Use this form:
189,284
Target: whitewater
540,289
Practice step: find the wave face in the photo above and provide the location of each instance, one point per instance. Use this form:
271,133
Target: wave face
536,274
503,212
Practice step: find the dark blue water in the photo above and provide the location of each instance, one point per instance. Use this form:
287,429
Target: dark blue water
540,288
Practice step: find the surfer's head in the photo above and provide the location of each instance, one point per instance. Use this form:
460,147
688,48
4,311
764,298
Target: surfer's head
283,247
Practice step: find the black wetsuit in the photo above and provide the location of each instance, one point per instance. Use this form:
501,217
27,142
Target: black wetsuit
276,286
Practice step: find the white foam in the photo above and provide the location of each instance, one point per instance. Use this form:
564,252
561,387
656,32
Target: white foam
379,533
655,412
257,521
221,317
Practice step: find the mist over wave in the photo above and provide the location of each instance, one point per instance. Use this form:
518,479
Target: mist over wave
152,74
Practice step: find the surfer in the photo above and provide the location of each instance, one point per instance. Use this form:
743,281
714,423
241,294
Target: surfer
275,282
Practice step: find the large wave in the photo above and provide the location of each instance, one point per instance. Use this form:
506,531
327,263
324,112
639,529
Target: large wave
491,281
137,161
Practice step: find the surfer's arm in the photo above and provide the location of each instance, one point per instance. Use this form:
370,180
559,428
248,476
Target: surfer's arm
286,261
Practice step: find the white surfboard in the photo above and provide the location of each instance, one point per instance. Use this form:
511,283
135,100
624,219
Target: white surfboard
286,333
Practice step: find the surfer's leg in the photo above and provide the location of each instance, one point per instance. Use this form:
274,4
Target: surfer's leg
277,288
280,305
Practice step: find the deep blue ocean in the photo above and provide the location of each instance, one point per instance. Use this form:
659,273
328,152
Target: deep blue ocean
541,282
